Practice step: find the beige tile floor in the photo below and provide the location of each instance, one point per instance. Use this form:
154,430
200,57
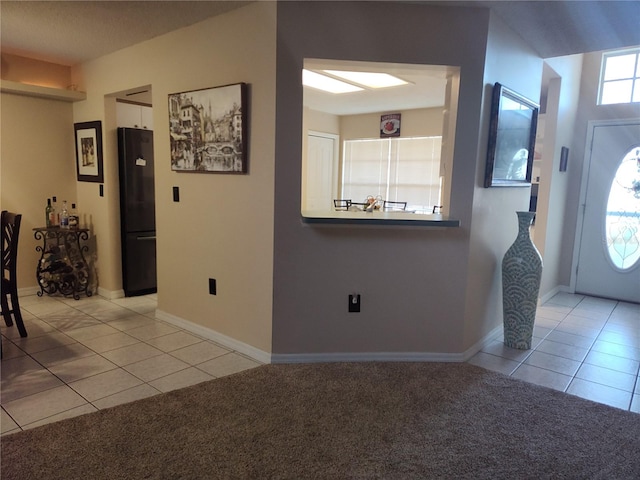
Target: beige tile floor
89,354
585,346
85,355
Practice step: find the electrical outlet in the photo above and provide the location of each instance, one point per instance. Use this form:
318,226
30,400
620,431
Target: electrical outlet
354,303
212,286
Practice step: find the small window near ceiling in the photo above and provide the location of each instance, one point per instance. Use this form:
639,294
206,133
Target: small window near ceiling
620,77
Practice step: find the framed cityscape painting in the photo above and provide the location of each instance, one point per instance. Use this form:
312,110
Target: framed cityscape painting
208,130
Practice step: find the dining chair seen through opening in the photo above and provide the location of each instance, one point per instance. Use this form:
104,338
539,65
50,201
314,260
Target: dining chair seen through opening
389,205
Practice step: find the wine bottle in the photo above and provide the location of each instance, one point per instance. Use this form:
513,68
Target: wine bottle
55,220
64,215
47,213
73,217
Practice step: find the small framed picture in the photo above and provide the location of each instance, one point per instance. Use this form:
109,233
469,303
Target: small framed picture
390,125
89,151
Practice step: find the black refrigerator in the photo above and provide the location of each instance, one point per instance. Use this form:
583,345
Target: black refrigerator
137,211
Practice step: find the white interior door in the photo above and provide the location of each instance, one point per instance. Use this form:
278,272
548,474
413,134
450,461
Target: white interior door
609,244
321,177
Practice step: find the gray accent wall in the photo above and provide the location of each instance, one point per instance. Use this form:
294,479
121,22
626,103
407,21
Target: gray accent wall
423,290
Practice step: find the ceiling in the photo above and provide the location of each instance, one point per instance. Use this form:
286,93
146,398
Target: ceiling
426,88
72,32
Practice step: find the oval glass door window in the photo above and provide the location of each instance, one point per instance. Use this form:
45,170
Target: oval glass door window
622,220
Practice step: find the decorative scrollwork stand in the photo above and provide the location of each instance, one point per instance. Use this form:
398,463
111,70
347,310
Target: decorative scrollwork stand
62,266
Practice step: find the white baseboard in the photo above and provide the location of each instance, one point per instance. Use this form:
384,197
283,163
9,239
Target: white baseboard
365,357
110,294
25,292
386,356
225,341
483,342
548,296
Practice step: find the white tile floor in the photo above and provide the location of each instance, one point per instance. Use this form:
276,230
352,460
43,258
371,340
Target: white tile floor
585,346
85,355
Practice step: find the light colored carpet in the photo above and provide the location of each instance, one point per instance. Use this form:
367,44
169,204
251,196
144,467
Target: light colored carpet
339,421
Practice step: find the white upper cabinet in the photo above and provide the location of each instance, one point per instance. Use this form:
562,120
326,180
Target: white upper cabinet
134,116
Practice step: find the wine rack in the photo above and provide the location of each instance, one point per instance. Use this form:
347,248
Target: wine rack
62,267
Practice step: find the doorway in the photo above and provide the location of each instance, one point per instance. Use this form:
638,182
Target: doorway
134,122
321,171
608,260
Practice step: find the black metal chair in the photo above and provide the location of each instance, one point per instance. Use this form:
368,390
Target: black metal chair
358,205
10,233
389,205
341,204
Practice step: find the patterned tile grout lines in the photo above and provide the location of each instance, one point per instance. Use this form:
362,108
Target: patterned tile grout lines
102,322
582,362
95,352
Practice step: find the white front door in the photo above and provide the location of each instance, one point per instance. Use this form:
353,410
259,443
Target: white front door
321,178
609,244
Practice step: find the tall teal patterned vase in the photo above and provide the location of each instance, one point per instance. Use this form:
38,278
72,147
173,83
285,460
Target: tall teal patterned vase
521,273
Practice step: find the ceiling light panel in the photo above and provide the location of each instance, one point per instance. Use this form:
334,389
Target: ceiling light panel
327,84
369,79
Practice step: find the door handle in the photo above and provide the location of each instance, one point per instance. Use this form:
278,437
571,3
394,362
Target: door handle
146,238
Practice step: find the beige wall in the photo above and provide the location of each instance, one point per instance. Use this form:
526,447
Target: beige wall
35,72
415,123
494,225
222,227
321,122
561,110
37,161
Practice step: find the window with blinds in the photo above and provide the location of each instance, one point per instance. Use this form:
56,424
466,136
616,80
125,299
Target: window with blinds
397,169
